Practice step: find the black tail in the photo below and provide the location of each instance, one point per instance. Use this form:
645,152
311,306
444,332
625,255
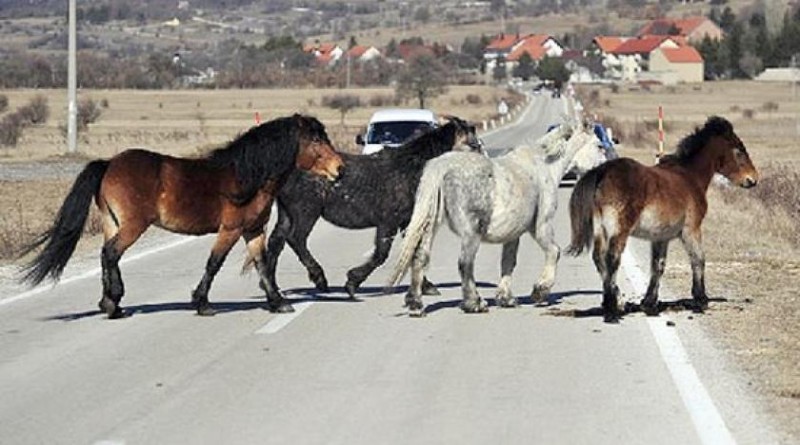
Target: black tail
581,211
60,240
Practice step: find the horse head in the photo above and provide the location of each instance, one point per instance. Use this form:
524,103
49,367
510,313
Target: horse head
315,150
733,161
587,153
466,135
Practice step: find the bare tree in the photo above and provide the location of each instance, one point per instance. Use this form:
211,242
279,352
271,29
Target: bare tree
342,102
422,78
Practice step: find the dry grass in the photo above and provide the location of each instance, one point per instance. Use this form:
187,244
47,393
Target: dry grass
185,122
750,237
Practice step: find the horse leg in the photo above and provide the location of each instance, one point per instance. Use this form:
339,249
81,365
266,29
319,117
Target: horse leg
428,288
472,302
226,238
422,256
383,242
658,258
693,245
255,247
276,243
118,240
545,237
298,241
504,296
612,256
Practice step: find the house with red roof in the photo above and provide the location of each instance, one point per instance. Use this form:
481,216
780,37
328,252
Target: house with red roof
685,64
694,29
362,53
510,47
634,54
602,47
326,53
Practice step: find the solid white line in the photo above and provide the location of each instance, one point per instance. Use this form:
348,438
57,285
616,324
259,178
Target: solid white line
96,271
282,320
704,414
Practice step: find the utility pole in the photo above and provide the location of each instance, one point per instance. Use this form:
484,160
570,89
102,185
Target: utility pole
72,83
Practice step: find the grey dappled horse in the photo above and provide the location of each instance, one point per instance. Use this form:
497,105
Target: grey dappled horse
495,201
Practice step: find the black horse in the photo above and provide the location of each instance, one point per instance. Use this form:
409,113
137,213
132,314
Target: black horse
373,191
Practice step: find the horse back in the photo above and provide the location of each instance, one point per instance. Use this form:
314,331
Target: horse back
179,194
648,199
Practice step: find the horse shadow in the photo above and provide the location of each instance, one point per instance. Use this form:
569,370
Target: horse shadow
553,299
681,305
254,302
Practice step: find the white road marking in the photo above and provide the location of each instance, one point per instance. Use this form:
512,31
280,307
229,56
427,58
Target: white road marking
704,414
96,271
280,321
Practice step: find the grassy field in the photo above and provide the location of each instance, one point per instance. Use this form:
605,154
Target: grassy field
184,121
751,237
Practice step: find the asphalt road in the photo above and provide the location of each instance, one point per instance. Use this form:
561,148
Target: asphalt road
347,372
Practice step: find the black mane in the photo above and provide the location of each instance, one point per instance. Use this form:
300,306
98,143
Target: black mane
266,152
428,144
691,144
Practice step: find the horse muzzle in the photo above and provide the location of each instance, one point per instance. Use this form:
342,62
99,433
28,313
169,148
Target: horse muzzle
749,182
476,144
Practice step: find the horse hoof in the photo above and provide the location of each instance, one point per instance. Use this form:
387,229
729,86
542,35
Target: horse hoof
117,314
430,290
650,311
611,318
322,286
108,306
507,302
206,311
416,313
539,295
475,308
351,289
283,308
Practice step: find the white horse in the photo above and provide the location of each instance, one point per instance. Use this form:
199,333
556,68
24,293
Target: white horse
495,201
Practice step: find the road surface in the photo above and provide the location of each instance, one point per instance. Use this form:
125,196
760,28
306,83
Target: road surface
352,372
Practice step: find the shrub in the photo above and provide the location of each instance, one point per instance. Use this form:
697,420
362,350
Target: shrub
473,99
11,130
88,112
3,103
748,113
35,112
342,102
769,106
381,100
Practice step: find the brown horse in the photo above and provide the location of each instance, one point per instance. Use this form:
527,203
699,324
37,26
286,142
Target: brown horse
623,198
230,192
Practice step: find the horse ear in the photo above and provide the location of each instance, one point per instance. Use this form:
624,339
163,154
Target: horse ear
445,118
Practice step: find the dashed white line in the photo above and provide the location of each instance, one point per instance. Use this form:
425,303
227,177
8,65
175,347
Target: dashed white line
707,420
280,321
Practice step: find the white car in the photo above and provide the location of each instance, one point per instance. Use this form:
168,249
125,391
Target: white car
392,127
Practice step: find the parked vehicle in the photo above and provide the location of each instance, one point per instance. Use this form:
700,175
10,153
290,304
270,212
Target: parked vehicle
392,127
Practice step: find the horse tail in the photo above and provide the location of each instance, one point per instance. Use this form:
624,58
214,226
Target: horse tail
581,211
61,238
427,208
